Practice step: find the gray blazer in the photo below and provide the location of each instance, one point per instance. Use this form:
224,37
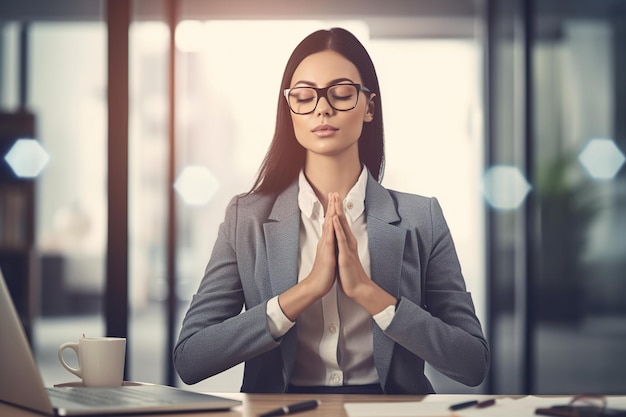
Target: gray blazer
256,258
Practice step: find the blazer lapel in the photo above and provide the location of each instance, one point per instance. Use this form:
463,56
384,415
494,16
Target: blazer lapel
386,239
282,234
386,246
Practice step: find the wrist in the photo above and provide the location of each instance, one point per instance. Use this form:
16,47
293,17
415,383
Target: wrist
373,298
314,288
297,298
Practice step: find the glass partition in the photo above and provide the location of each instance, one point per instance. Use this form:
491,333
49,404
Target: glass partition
580,143
556,261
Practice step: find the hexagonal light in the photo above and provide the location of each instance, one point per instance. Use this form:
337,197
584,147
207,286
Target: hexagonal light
505,187
27,158
601,158
196,185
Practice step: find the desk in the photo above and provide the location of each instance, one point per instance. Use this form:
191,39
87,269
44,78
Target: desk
255,404
332,404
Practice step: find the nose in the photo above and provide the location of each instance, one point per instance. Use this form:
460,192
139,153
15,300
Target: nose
323,107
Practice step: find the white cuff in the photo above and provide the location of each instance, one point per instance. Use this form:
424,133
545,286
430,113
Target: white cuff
383,319
278,322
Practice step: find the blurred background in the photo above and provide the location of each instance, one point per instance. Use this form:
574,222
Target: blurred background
127,126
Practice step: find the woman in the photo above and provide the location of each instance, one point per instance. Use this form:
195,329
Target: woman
348,287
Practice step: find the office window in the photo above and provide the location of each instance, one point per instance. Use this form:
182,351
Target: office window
68,96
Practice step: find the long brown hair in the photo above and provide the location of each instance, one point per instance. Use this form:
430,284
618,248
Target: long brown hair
285,156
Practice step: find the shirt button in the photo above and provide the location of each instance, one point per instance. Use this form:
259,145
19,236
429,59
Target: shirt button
349,205
332,329
335,379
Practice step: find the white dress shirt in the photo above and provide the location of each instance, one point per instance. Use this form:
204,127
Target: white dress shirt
334,334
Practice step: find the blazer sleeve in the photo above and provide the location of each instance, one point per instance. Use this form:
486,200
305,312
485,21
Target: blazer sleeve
216,335
444,330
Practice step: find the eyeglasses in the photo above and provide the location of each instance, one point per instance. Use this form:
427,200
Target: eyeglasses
582,405
341,97
588,405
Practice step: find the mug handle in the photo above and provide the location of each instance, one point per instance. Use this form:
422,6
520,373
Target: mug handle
74,347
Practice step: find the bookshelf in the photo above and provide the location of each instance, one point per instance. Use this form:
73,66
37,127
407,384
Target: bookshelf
17,221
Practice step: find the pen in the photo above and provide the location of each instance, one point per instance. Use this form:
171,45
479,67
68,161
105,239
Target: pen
554,411
292,408
461,406
486,403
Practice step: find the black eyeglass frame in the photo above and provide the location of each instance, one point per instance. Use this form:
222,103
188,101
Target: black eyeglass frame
323,92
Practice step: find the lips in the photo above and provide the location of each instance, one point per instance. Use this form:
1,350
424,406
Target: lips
324,130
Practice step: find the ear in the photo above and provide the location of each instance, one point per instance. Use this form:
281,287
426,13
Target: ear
369,112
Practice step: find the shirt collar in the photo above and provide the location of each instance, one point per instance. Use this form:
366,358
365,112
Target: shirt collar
353,204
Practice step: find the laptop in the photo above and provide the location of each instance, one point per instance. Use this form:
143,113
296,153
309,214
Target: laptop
21,383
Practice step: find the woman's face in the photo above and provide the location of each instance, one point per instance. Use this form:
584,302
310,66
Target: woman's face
327,131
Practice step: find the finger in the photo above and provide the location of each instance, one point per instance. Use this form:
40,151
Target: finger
339,208
340,233
328,234
330,212
338,205
330,208
327,239
343,219
326,255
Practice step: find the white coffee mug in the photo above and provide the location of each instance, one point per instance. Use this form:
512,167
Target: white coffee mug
100,360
